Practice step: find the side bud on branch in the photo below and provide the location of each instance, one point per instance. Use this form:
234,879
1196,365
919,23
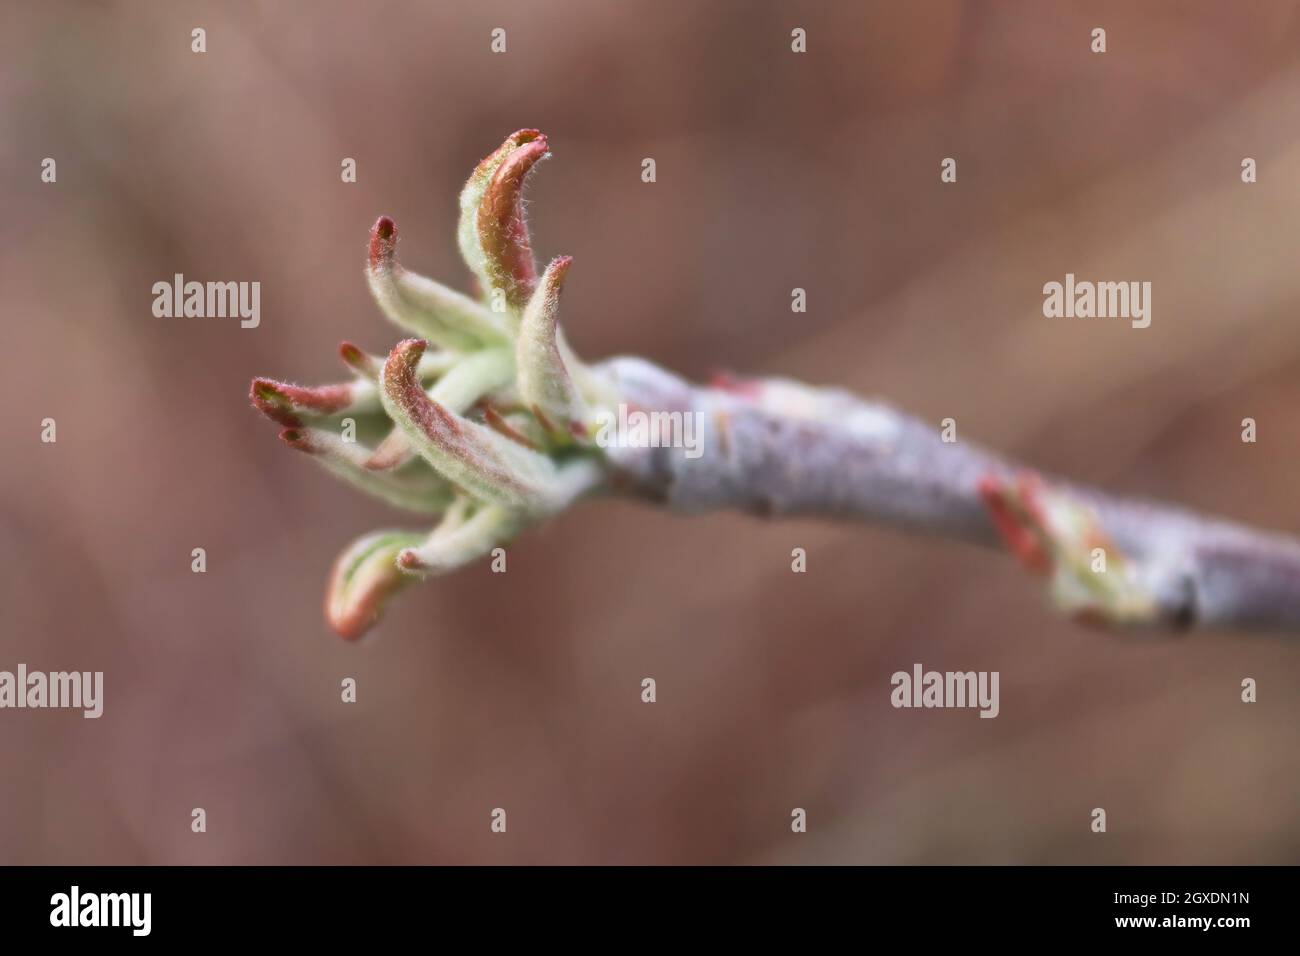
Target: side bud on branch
1060,538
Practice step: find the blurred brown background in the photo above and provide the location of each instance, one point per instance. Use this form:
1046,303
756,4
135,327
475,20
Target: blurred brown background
521,691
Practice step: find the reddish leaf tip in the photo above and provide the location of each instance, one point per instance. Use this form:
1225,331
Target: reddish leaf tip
359,361
295,438
405,355
268,399
503,231
508,179
268,391
383,242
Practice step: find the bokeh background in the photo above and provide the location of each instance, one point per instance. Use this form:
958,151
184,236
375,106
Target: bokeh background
521,691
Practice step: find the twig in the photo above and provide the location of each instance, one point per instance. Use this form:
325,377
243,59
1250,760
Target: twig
839,457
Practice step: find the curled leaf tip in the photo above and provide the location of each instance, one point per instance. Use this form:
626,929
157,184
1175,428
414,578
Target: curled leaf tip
465,534
493,234
483,172
267,398
503,229
361,362
364,579
311,400
383,243
404,357
424,307
504,191
267,390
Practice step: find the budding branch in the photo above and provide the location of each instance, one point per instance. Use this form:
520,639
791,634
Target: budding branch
488,421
